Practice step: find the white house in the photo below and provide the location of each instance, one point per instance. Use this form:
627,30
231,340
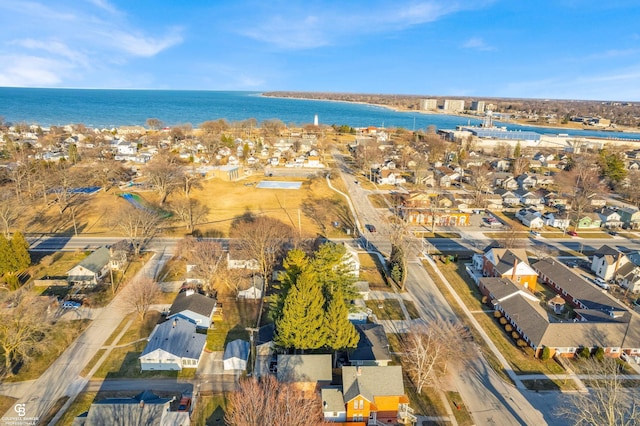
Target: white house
556,221
352,260
91,269
194,307
173,345
254,291
607,261
530,218
333,406
236,355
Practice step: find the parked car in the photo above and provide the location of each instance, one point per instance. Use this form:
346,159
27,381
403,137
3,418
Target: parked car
601,283
70,304
572,233
371,228
185,404
534,233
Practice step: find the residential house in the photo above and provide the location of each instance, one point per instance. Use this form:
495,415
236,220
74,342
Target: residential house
145,408
526,182
628,276
333,406
556,220
509,263
600,321
375,395
630,217
90,270
119,254
606,261
446,176
552,199
509,197
501,165
194,307
528,198
254,291
597,201
610,218
389,177
588,221
173,345
236,355
493,201
373,346
307,372
499,289
531,218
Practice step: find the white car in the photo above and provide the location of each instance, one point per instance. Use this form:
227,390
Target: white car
601,283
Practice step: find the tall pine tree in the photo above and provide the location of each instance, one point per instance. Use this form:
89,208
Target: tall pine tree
301,324
340,332
7,259
20,248
335,273
293,264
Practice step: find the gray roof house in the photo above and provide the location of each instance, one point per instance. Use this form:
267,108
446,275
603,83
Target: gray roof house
333,406
145,408
606,261
194,307
173,345
91,269
307,371
373,346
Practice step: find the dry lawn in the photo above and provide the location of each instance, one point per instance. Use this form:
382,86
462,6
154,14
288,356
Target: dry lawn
225,200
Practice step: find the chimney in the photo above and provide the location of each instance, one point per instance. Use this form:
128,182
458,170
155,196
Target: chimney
515,265
175,322
189,292
142,403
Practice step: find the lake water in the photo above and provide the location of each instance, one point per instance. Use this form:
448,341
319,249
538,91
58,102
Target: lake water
112,108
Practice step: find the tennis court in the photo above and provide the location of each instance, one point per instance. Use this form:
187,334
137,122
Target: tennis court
270,184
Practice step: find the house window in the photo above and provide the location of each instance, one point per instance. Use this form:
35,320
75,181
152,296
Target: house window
361,404
355,404
615,350
518,279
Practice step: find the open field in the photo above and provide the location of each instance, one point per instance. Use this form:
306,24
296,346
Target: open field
309,210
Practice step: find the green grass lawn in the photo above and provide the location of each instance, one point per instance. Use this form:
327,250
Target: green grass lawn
236,317
460,412
139,329
378,201
411,308
426,234
387,309
80,405
371,271
209,409
87,368
6,402
593,234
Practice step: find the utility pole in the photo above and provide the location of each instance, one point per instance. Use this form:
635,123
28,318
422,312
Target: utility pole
252,348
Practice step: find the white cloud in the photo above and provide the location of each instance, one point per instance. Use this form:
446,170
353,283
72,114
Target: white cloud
477,43
29,71
308,27
105,5
141,45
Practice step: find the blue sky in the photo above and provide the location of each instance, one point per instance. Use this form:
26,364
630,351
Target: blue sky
568,49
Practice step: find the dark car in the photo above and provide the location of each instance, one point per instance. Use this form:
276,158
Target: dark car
572,233
185,404
371,228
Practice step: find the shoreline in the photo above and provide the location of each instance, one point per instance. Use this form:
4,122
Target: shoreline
476,117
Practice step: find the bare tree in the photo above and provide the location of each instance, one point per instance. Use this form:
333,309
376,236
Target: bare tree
207,257
428,348
139,225
141,293
607,403
263,239
510,238
191,212
480,185
165,175
9,211
21,332
154,123
269,402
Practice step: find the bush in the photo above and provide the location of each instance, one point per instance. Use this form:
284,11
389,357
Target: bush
599,354
485,300
47,261
584,353
508,328
503,321
546,353
497,314
515,335
521,343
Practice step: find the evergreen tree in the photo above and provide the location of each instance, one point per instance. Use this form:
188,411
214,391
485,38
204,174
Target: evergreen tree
333,272
397,265
293,264
20,248
301,324
517,151
340,332
7,259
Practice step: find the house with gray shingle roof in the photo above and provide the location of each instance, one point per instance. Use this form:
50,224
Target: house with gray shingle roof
373,346
306,371
145,408
333,406
606,261
376,391
91,269
173,345
193,306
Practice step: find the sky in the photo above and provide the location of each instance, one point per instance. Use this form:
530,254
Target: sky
557,49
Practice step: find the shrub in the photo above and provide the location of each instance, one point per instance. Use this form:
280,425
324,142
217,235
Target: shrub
584,353
546,353
497,314
485,300
599,354
508,328
503,321
521,343
515,335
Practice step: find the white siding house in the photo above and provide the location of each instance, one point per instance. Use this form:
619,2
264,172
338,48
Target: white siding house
173,345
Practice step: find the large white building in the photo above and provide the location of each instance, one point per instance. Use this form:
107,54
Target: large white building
453,105
429,104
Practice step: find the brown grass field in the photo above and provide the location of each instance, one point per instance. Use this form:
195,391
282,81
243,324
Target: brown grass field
307,210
